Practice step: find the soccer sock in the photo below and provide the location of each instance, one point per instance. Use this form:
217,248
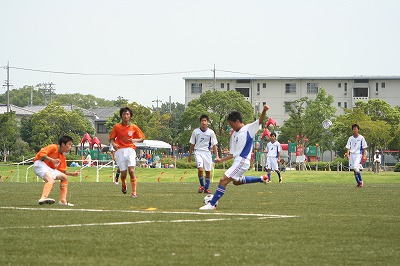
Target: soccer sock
279,174
217,195
207,183
46,190
356,177
117,174
251,179
269,175
201,180
359,176
134,185
63,191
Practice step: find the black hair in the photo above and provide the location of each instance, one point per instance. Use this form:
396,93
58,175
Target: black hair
235,115
204,116
273,133
64,139
125,109
355,125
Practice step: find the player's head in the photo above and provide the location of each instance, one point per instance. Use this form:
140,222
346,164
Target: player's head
125,109
235,116
67,141
204,117
355,126
273,134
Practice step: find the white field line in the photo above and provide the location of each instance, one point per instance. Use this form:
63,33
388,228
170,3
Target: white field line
249,216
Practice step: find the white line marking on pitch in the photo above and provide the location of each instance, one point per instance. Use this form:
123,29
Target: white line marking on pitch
249,216
154,212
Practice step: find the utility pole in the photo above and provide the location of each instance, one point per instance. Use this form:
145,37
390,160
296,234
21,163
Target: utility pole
157,101
47,89
215,81
7,84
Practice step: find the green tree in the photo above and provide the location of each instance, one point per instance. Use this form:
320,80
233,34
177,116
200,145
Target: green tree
54,121
11,145
217,105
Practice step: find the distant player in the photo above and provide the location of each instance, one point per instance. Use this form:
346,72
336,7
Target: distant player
273,150
202,140
356,152
50,164
241,146
123,137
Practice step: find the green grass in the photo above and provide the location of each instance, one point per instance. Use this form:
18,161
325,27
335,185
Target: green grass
334,223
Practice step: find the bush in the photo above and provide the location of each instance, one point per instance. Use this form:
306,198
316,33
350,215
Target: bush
397,167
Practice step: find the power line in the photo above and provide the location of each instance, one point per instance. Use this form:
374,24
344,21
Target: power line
107,74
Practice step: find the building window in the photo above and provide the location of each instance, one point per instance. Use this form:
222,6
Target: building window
101,128
197,87
290,88
345,104
258,88
227,86
345,89
383,85
264,85
339,104
287,106
264,103
339,85
244,91
377,88
312,88
222,85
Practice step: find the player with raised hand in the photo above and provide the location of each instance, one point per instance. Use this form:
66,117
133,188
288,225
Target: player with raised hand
241,146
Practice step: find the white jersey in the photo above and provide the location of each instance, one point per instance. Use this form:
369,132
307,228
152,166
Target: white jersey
241,142
203,140
356,145
273,149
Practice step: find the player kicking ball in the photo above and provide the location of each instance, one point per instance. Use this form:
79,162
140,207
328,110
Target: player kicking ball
241,146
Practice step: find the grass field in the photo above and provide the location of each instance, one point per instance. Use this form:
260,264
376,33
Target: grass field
312,218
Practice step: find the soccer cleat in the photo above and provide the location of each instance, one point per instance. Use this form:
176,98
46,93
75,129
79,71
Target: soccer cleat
123,188
361,184
134,195
207,191
208,206
116,181
65,204
46,201
280,180
201,189
265,179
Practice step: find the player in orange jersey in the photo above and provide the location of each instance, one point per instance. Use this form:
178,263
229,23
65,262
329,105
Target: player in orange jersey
50,164
123,137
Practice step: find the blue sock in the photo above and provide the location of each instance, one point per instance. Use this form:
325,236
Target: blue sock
207,183
359,176
356,177
269,175
217,195
250,179
117,174
201,180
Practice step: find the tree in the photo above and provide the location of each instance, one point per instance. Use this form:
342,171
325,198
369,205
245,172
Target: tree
11,144
54,121
217,105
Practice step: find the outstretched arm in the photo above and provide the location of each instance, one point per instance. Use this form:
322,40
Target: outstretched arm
262,116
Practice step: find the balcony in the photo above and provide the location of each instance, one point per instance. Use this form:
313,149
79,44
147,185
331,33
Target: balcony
356,99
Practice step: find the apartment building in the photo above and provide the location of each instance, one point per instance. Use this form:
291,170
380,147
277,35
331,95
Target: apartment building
276,91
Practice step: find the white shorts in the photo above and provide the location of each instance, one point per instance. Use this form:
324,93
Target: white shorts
203,159
125,157
40,168
355,160
272,163
238,168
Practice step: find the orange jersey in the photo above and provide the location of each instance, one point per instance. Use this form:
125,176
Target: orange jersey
122,135
54,152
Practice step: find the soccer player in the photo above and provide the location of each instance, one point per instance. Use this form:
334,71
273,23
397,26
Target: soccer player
50,164
123,137
356,152
241,146
202,140
273,150
377,162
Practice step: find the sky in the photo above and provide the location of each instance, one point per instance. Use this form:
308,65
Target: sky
142,50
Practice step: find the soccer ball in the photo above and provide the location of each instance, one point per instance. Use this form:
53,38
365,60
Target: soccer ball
208,198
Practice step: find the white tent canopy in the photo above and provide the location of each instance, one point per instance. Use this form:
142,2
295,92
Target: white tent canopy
152,144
